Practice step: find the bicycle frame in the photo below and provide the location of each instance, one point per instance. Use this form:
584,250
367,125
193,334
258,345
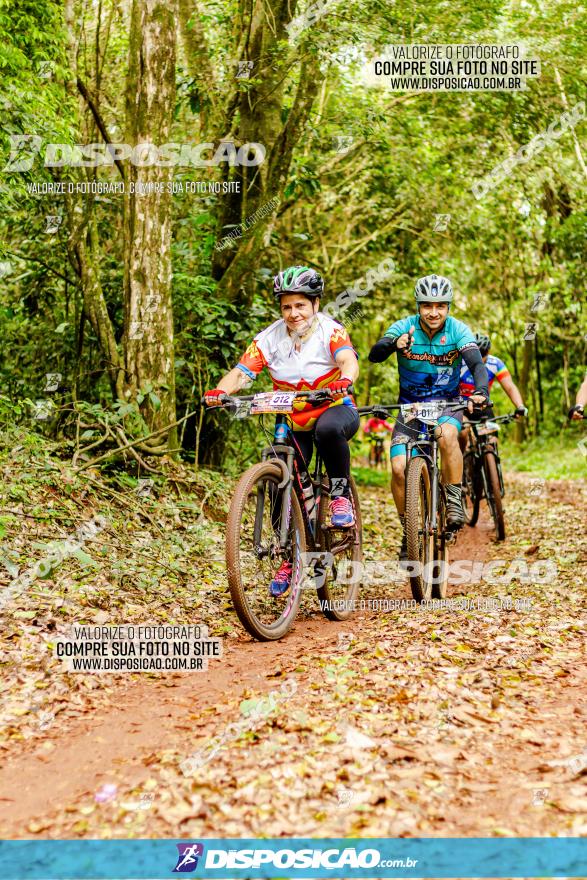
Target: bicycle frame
482,445
426,445
295,483
288,450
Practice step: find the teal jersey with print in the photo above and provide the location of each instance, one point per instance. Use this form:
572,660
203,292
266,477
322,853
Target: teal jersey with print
432,368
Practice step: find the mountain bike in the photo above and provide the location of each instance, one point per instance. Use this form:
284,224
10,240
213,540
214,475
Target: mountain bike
279,512
428,537
482,474
376,450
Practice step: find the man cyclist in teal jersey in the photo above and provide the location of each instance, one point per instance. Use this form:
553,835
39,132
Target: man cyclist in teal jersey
431,347
496,369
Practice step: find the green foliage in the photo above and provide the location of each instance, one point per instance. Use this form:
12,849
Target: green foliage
552,458
412,156
11,412
33,97
366,476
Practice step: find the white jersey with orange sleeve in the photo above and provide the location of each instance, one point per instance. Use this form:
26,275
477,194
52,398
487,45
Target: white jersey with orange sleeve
308,369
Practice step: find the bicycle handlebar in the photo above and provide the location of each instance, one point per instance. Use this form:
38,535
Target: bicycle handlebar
508,417
380,410
320,395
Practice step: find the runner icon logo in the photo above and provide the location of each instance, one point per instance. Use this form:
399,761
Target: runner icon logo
187,860
345,640
540,795
441,222
345,796
536,486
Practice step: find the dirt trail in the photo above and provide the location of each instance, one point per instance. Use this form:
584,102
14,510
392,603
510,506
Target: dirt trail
461,745
146,716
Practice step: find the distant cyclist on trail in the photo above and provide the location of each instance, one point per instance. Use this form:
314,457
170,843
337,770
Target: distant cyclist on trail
496,369
578,410
375,430
306,350
376,426
431,347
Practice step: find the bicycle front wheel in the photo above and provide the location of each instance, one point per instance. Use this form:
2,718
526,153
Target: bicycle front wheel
253,552
418,532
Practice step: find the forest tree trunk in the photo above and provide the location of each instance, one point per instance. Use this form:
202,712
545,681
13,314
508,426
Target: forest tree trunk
148,324
520,426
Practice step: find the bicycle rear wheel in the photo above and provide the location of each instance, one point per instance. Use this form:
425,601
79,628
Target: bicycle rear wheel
471,490
341,580
420,539
494,494
440,567
253,554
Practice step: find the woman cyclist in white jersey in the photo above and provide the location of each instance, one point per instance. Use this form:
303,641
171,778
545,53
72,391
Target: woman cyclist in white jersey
305,350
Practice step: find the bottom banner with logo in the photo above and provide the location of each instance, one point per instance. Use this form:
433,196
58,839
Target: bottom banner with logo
299,857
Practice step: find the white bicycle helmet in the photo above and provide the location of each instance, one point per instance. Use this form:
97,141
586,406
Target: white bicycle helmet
433,288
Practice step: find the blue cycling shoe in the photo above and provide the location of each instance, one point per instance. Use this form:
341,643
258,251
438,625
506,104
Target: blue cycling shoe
279,586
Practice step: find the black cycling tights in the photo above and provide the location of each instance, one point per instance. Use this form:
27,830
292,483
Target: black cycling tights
332,431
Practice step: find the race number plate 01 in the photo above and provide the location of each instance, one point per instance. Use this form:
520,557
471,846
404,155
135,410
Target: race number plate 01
429,412
425,412
488,428
273,401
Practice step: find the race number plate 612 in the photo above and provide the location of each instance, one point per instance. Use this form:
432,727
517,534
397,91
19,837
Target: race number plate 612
273,401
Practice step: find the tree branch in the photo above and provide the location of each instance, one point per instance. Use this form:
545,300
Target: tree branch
136,442
42,263
99,121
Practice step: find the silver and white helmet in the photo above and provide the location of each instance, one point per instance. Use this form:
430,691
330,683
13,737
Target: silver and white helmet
433,288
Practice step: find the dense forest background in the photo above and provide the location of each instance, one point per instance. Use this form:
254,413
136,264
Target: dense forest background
134,304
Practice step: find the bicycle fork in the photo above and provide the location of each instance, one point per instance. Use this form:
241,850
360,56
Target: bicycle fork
434,489
430,456
273,453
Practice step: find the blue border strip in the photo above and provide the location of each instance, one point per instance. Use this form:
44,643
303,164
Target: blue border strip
155,859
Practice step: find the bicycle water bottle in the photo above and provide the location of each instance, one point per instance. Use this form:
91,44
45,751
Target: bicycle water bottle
308,493
280,435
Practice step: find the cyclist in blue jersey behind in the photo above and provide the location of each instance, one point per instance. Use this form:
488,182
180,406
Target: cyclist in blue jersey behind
431,347
496,369
578,410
